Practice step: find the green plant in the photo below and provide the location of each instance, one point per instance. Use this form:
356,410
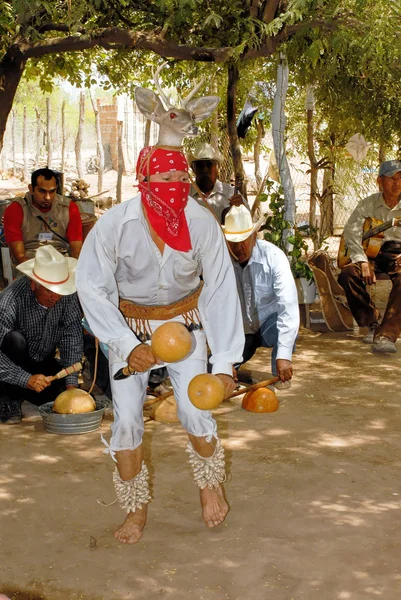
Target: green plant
276,225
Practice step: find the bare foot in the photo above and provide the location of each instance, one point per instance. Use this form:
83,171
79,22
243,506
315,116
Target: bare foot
214,506
130,532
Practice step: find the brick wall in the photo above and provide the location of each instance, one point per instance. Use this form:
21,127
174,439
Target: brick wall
108,128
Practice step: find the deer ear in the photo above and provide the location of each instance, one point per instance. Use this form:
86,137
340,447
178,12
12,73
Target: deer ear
149,104
201,108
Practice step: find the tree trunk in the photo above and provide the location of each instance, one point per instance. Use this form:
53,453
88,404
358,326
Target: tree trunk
48,135
239,172
24,147
120,162
62,137
327,203
4,161
99,146
13,143
256,151
79,138
214,122
278,121
11,71
37,140
314,190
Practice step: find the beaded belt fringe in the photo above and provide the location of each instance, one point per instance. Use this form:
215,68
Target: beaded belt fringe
138,315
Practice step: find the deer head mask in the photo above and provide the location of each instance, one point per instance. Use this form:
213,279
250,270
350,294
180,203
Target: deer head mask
175,122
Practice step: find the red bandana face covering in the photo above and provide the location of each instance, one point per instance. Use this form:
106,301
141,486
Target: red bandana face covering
165,201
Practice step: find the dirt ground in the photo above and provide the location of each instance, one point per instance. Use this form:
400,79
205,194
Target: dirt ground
314,490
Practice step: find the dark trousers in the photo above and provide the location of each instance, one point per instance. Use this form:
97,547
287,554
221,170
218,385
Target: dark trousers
15,347
102,371
362,307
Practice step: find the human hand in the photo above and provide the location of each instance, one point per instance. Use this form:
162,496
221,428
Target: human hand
397,261
229,384
284,369
142,358
236,200
38,383
367,272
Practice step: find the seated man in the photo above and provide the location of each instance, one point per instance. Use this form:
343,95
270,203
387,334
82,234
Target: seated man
39,313
354,277
219,196
42,217
267,292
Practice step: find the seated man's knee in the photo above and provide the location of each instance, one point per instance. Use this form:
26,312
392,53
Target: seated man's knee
14,346
348,272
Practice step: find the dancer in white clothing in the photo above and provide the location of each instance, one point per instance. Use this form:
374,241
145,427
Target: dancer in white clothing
141,264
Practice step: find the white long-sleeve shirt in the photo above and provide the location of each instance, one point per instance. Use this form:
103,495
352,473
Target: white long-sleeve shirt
120,260
373,206
266,286
218,199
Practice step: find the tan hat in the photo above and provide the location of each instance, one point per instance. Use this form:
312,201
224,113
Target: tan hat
239,225
204,151
51,269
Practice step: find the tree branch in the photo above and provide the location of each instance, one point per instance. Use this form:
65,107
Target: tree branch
117,38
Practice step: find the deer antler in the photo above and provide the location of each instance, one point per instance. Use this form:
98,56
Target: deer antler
192,93
162,95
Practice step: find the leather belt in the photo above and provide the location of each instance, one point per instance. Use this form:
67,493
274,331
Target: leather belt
138,316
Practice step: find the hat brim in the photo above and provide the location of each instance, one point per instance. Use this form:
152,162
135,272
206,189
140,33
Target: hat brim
191,159
64,289
240,237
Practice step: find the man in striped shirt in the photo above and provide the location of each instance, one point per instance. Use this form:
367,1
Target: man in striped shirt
39,314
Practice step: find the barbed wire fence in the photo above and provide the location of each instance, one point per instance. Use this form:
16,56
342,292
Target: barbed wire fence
48,139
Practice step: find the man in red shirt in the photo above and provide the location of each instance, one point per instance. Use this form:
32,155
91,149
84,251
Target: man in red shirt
42,217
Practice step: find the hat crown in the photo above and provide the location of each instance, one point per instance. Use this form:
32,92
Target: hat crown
205,151
389,167
50,266
238,220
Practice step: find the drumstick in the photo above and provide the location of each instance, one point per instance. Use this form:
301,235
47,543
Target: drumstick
67,371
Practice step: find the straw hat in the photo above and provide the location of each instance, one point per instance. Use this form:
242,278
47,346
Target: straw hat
204,151
239,225
51,269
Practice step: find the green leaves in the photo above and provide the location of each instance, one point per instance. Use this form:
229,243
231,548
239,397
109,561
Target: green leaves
278,231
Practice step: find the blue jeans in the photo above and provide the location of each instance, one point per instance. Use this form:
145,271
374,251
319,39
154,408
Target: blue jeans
265,337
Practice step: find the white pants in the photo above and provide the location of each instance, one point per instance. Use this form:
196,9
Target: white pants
129,395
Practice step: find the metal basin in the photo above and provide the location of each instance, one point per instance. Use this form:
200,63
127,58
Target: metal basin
72,424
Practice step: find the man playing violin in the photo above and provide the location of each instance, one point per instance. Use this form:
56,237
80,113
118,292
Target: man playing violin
354,277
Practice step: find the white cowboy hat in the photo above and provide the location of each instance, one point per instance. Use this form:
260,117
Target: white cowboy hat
51,269
239,225
204,151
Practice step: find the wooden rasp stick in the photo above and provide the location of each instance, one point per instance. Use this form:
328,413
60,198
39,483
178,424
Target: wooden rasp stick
254,386
249,388
67,371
